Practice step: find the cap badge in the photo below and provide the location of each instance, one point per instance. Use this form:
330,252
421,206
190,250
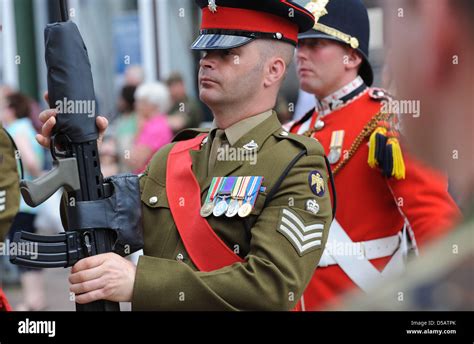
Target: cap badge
317,8
212,6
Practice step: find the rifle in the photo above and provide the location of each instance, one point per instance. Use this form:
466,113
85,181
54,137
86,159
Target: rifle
101,215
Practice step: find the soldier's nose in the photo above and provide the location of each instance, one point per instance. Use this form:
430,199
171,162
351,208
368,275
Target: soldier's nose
301,53
207,62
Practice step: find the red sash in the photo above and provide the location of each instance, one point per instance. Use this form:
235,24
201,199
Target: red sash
4,306
207,251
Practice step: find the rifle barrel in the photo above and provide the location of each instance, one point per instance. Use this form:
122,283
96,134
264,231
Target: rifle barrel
63,9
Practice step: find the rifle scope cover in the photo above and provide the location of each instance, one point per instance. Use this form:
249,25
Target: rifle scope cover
70,82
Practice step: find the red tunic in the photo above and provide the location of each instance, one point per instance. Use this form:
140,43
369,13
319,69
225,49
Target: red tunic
371,206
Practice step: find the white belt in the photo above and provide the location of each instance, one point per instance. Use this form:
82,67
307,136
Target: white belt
354,258
371,249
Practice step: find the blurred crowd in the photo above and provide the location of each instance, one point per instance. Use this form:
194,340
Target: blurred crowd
148,116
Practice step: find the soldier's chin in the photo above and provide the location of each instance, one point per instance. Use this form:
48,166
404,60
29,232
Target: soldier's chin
209,96
307,85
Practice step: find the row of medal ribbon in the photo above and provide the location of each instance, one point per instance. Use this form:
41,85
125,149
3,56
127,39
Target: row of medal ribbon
231,196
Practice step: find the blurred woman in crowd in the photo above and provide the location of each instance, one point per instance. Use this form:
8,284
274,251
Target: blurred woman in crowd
15,118
152,101
124,129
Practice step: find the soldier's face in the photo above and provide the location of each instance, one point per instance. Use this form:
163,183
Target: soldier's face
320,66
230,76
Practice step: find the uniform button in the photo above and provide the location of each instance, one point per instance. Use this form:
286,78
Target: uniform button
284,133
319,125
180,257
153,200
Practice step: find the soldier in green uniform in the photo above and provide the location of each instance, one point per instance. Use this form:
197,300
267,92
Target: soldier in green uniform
235,218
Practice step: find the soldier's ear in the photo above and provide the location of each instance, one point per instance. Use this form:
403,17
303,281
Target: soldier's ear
353,59
275,71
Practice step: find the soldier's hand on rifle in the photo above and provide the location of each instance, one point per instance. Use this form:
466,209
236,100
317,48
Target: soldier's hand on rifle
103,277
48,118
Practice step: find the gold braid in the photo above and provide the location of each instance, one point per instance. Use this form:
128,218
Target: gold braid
368,129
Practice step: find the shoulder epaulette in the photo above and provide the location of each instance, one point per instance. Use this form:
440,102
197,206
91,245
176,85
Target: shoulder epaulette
311,145
380,94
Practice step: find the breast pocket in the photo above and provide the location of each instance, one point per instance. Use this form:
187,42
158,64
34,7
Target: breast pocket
158,224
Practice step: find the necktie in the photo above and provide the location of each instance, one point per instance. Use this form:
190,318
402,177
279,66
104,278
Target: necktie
218,142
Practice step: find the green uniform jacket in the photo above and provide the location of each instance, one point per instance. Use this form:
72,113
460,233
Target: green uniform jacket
277,266
9,183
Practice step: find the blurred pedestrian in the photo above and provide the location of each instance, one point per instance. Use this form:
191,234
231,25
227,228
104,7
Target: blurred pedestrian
185,112
125,127
134,76
152,103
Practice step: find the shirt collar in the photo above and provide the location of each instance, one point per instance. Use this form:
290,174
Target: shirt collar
236,131
336,99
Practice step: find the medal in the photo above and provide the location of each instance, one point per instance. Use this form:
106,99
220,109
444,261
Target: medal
251,197
234,204
245,210
233,208
220,208
208,207
223,194
335,149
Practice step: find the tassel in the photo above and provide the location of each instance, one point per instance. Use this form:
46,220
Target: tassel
374,141
380,152
387,165
398,170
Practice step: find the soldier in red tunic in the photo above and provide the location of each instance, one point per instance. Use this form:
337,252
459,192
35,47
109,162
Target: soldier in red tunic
387,204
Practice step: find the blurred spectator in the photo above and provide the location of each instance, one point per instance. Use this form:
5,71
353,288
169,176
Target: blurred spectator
185,112
440,77
124,128
4,92
134,76
15,117
152,103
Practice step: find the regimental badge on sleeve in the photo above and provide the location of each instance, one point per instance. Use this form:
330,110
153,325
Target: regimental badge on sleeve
316,183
